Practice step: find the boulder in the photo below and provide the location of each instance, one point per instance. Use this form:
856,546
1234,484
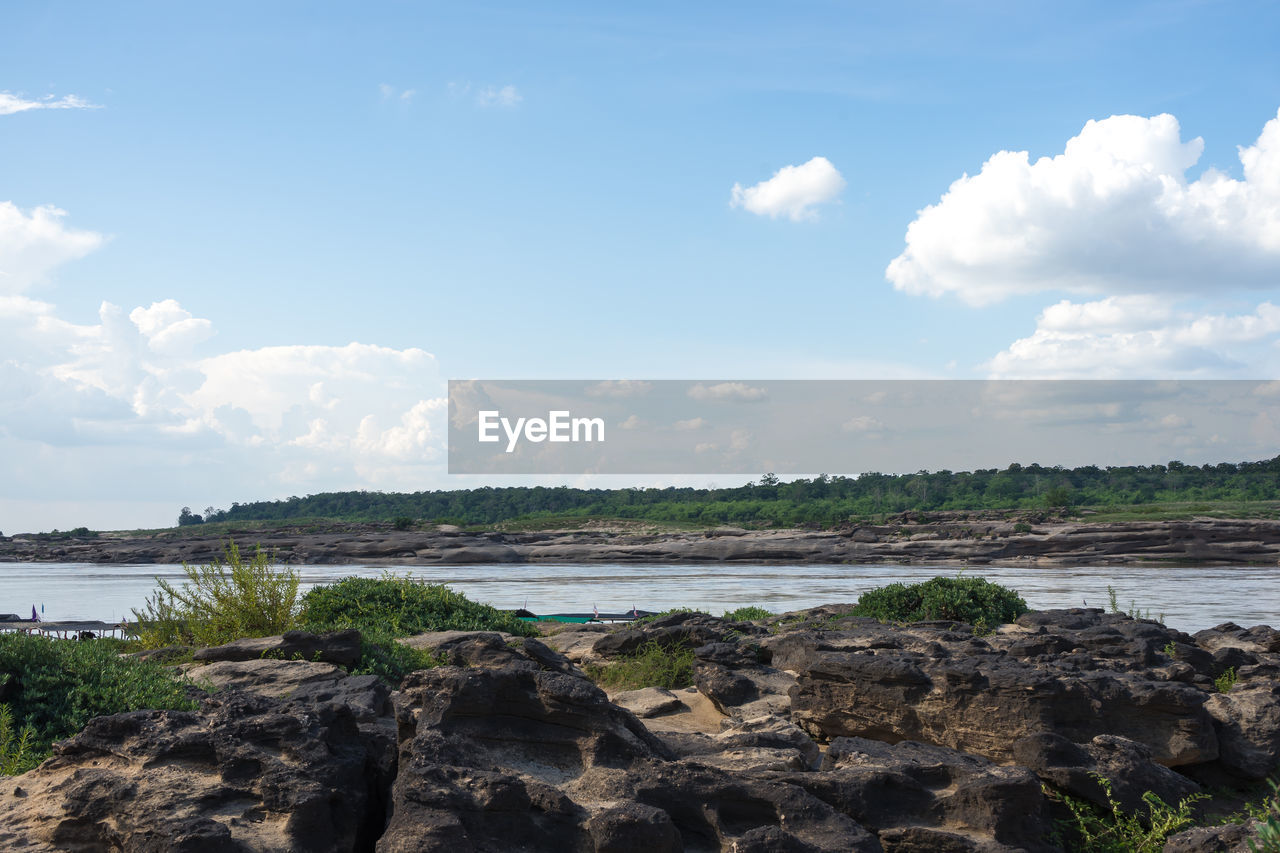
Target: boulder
687,630
337,647
648,702
917,796
1125,764
942,685
490,649
491,757
243,772
1247,718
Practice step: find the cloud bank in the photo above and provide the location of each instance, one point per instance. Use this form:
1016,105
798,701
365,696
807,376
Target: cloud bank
1113,214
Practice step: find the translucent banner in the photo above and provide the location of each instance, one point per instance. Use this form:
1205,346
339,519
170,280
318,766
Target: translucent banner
851,426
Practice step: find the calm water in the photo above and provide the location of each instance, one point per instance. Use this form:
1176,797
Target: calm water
1189,598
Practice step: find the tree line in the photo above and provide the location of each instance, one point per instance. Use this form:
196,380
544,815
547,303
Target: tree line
823,500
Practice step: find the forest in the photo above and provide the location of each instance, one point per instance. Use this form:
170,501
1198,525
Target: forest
821,501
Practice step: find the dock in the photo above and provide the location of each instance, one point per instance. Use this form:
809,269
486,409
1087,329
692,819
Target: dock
66,630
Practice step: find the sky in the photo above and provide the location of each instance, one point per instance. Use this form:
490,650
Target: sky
243,246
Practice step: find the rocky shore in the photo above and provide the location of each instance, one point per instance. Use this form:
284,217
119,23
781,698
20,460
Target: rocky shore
810,731
954,538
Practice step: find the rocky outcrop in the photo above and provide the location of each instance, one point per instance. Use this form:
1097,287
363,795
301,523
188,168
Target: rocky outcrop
837,733
941,538
488,756
244,772
336,647
1079,673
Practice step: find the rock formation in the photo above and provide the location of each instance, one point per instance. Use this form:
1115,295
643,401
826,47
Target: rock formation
828,732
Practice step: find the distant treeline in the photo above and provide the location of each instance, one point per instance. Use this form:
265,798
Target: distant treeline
819,501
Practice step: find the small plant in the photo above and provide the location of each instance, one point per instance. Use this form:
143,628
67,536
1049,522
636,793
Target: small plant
1134,612
653,665
1268,817
975,601
1170,650
402,522
747,614
1227,680
1022,527
17,751
54,687
222,601
1112,830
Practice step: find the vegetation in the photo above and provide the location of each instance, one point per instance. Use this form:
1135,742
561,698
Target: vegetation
54,687
975,601
749,613
822,501
1268,816
1226,681
653,665
1112,830
391,607
17,748
222,601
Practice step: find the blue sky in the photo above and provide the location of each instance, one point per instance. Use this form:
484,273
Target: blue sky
546,192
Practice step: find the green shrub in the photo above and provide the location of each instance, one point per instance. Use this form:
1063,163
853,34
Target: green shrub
749,613
1112,830
55,687
1022,527
402,522
1226,681
401,607
1268,816
17,749
653,665
973,600
221,601
385,609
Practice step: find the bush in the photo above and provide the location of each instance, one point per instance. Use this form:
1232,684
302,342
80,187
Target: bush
401,606
747,614
386,609
54,687
973,600
222,601
1112,830
653,665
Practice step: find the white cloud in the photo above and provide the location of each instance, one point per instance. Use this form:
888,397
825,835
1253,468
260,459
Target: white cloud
11,103
1113,214
726,391
691,424
1136,338
862,423
792,192
620,388
390,92
493,96
32,244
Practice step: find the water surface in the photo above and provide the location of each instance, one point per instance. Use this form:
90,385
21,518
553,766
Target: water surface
1189,598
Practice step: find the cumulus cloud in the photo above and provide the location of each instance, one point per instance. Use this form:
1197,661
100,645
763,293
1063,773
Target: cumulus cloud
32,244
11,103
793,191
691,423
1128,337
726,391
1113,214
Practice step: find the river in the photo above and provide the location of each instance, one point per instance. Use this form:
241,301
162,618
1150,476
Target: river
1189,598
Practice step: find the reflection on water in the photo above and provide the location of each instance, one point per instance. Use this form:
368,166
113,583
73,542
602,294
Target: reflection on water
1190,598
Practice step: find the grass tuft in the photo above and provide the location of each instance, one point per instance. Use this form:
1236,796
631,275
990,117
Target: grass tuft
653,665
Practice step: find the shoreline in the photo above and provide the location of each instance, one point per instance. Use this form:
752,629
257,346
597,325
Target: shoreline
960,541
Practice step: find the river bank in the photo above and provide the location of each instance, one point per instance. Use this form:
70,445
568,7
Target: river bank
942,539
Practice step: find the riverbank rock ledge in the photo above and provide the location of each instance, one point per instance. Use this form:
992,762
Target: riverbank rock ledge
818,731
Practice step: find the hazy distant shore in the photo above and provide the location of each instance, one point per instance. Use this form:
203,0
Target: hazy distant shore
958,540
